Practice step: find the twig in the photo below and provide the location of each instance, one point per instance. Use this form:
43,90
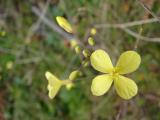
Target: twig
124,27
140,36
66,72
8,51
148,9
36,25
129,24
29,60
138,39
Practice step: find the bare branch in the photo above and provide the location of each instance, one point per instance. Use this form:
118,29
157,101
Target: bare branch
124,27
148,9
36,25
140,37
129,24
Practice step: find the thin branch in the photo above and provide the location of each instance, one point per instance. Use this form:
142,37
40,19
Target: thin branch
124,27
140,37
29,60
36,25
148,9
129,24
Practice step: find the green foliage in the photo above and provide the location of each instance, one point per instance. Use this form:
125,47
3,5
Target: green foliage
25,85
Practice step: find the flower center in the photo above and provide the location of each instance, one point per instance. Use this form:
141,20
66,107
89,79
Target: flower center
114,73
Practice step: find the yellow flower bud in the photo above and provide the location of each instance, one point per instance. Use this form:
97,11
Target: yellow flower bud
69,86
85,63
64,24
73,43
93,31
77,49
74,74
91,41
86,53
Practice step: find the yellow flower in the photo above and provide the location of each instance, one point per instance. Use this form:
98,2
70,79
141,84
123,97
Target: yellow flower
54,84
128,62
64,24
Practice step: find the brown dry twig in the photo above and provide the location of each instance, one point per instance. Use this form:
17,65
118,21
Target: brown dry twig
124,27
148,9
36,25
128,24
140,37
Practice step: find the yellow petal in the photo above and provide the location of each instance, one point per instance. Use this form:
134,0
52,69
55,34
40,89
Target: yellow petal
125,87
128,62
51,78
53,90
100,61
54,84
64,24
101,84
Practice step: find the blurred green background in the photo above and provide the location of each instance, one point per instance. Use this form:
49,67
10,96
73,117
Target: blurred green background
25,55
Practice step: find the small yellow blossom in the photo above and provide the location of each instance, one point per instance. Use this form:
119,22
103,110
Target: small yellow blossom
128,62
64,24
93,31
54,84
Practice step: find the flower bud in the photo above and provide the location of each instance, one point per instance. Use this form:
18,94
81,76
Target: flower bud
93,31
86,53
64,24
77,49
85,63
73,43
91,41
74,75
